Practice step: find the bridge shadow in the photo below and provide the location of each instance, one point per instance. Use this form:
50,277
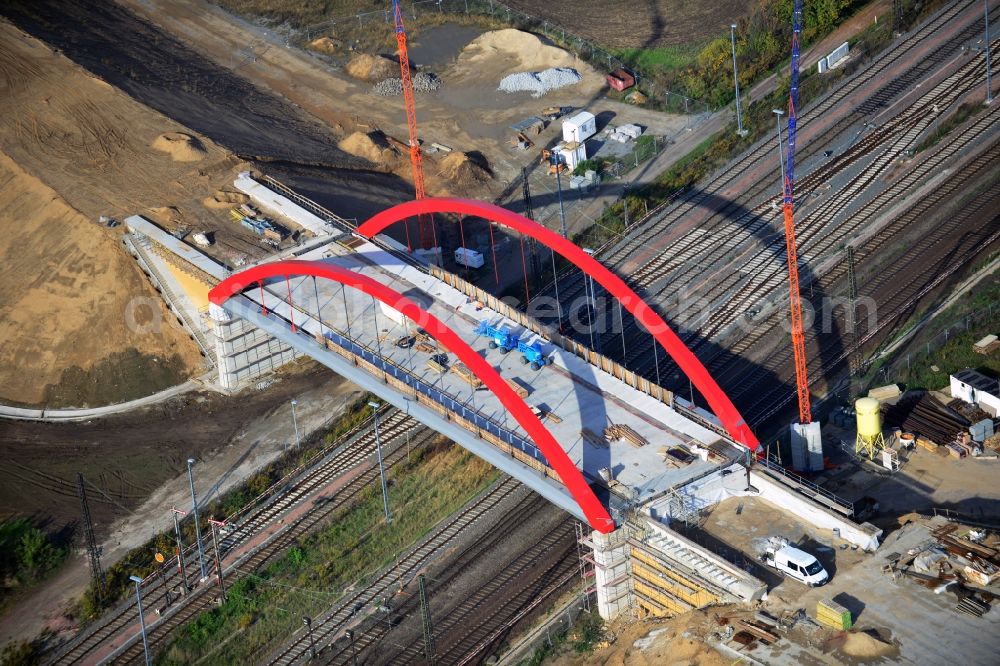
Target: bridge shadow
732,371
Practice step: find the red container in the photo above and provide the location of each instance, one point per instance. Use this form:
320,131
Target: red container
620,80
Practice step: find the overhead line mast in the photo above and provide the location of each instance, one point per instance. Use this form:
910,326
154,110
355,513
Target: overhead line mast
795,298
427,234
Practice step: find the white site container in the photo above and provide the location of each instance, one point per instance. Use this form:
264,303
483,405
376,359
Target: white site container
572,153
580,127
469,258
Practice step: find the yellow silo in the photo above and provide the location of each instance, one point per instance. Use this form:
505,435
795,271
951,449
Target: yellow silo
870,440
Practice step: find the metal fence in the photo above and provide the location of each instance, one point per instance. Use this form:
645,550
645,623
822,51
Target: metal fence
900,367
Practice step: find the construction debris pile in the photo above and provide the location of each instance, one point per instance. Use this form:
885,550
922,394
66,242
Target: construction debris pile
960,558
422,82
539,83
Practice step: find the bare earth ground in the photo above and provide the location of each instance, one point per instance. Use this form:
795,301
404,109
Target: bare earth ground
467,113
135,469
638,24
74,148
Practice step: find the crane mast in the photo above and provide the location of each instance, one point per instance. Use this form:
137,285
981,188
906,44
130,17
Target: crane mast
795,299
426,225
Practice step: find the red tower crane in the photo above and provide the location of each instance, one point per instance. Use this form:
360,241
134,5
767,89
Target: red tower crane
427,235
795,298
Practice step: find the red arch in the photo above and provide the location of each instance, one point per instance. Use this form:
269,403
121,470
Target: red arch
592,508
720,403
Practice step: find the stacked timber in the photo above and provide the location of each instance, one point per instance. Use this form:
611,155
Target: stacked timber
467,375
831,614
617,431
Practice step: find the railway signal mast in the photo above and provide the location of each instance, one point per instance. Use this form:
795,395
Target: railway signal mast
427,240
805,434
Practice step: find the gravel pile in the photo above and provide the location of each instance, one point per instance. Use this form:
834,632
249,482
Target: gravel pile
421,83
539,83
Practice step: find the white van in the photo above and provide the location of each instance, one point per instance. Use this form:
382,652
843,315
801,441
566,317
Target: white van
798,564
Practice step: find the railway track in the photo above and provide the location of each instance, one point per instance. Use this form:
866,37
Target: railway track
467,629
341,498
761,279
349,451
655,268
328,629
897,292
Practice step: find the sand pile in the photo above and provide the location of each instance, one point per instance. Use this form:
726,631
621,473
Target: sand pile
325,45
371,146
522,50
371,67
866,646
539,83
465,169
180,146
225,199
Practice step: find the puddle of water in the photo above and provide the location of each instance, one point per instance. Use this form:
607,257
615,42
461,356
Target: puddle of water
438,46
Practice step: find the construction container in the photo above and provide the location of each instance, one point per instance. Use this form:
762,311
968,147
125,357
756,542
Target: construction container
571,153
831,614
580,127
869,418
469,258
620,80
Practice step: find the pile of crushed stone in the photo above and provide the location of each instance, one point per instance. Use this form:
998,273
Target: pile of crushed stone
539,83
421,83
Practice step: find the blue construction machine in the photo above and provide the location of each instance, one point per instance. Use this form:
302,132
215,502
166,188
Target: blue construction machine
505,341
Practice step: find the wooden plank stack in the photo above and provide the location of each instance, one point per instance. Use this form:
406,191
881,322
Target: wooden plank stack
617,431
467,375
832,614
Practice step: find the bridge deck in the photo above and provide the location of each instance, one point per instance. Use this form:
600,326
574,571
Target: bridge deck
580,395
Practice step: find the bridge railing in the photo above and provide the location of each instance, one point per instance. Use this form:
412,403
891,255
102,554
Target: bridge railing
437,398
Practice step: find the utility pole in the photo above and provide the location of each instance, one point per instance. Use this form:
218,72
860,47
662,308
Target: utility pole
554,160
142,619
197,527
381,466
354,651
295,424
526,194
989,82
736,81
92,550
216,524
180,544
425,617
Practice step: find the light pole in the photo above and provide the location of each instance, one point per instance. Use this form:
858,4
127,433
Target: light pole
312,643
381,466
781,160
295,424
197,527
989,83
736,81
142,620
